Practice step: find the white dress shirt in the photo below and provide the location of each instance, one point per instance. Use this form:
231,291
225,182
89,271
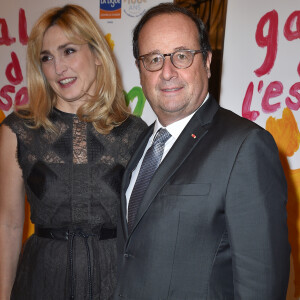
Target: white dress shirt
175,130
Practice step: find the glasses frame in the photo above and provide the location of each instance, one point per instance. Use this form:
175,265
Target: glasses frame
194,52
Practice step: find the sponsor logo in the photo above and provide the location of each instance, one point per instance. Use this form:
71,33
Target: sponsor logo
134,8
110,9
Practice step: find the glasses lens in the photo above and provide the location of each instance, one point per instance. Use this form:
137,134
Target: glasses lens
153,62
182,59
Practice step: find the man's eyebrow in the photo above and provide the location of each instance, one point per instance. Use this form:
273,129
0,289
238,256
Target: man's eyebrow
175,49
153,52
158,51
181,48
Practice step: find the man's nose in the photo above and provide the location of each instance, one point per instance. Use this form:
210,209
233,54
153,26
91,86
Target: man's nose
168,70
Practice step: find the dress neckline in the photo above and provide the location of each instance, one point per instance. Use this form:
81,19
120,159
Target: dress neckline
64,113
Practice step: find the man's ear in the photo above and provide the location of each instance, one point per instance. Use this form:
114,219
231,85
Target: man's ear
137,64
207,64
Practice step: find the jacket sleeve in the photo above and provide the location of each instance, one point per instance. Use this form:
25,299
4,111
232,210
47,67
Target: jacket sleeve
257,220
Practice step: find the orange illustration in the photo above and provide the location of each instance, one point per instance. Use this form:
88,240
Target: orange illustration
287,136
2,115
28,229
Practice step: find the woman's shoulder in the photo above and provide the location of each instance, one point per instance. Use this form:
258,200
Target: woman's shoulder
12,120
136,123
15,122
130,129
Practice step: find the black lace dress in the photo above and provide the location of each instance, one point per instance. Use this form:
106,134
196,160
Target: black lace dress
72,180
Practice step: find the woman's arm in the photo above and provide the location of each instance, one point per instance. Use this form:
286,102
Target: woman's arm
11,211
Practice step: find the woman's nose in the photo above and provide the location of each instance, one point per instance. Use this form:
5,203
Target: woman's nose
60,66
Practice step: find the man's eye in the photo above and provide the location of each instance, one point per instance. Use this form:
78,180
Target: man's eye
181,56
46,58
155,60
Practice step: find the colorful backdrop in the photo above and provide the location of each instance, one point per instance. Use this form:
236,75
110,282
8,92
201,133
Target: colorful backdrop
261,82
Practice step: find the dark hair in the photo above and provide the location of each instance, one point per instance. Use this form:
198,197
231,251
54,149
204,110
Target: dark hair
171,8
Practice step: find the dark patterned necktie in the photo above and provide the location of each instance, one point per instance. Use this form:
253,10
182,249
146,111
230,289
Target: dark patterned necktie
149,165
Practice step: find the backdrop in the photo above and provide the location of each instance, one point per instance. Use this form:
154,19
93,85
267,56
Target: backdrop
260,78
260,81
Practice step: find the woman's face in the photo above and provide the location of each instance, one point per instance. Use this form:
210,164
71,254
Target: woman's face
69,68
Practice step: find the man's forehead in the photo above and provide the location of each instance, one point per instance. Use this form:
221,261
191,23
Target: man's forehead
173,31
176,17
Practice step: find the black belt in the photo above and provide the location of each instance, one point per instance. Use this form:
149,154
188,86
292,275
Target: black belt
103,232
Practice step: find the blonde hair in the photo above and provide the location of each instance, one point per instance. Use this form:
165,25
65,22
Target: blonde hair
107,108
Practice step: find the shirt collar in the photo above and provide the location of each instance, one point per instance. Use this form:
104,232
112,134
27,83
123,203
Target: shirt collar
177,127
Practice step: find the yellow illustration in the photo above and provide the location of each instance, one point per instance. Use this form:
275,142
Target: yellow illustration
109,40
287,136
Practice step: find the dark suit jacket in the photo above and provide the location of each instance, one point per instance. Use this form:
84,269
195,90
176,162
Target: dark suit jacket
212,224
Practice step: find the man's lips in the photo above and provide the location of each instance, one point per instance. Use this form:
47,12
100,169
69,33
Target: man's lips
174,89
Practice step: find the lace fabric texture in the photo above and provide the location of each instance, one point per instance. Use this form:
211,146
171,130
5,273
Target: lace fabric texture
72,179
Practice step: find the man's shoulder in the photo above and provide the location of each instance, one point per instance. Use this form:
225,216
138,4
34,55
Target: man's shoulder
234,128
231,119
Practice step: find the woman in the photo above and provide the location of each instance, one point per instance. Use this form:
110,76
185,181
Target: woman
67,151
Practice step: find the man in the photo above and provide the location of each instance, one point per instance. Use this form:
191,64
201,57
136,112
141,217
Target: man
211,223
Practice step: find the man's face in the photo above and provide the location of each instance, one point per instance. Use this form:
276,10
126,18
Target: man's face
173,93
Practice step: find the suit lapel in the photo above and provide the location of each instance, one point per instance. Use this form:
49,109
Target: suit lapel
188,139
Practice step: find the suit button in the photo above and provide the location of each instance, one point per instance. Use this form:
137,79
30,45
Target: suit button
126,255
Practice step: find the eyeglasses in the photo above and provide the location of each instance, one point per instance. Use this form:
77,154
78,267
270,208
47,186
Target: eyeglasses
181,59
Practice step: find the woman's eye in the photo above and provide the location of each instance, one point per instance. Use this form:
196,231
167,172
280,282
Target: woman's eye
69,51
46,58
